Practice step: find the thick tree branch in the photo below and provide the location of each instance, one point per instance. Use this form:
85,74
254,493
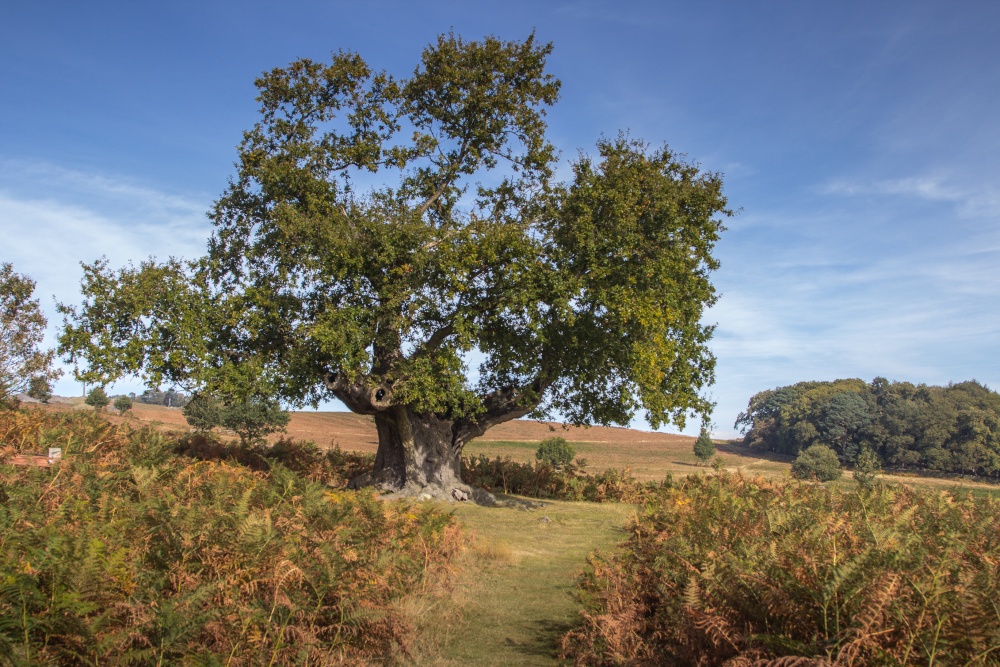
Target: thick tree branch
449,178
360,396
435,340
501,406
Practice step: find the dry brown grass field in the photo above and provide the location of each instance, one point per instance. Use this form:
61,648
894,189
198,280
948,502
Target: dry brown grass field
649,455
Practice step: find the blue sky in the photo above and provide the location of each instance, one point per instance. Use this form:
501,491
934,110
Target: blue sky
861,140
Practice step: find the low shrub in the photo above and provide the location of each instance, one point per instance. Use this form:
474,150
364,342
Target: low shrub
817,462
555,452
128,553
40,389
333,467
867,468
252,419
203,412
123,404
731,570
541,480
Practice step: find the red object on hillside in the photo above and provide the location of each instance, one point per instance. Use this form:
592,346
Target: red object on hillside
37,460
40,460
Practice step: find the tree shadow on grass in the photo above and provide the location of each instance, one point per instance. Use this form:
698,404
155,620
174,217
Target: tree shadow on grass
733,447
692,465
544,641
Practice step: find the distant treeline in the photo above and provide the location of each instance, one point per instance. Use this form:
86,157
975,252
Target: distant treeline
170,398
953,429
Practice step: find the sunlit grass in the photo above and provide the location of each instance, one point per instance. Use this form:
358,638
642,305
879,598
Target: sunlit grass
513,599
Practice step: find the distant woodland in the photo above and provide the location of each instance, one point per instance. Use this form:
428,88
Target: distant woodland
169,398
953,429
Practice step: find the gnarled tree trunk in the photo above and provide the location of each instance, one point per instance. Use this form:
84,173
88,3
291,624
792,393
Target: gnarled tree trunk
420,454
417,454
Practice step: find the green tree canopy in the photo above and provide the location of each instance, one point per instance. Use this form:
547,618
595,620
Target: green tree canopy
22,328
383,233
952,429
97,398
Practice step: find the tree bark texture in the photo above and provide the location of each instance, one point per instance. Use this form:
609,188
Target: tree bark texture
421,454
417,455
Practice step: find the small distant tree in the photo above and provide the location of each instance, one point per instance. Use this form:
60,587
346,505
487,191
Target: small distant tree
123,404
97,398
254,419
704,448
203,412
556,452
22,327
867,468
819,462
151,397
170,398
175,399
40,389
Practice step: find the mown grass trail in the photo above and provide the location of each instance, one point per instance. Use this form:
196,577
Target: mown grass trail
513,597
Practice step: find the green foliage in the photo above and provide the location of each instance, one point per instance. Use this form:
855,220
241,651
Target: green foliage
953,429
203,412
867,468
22,328
123,404
789,419
40,389
731,570
817,462
704,448
556,452
843,417
253,419
97,398
170,398
332,467
584,298
129,553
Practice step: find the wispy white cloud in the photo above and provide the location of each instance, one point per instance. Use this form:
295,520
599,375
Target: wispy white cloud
894,277
970,199
121,188
52,219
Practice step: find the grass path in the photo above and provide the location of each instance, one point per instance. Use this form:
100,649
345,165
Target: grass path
513,597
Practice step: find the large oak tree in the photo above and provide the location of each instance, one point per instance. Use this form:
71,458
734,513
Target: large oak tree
401,244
